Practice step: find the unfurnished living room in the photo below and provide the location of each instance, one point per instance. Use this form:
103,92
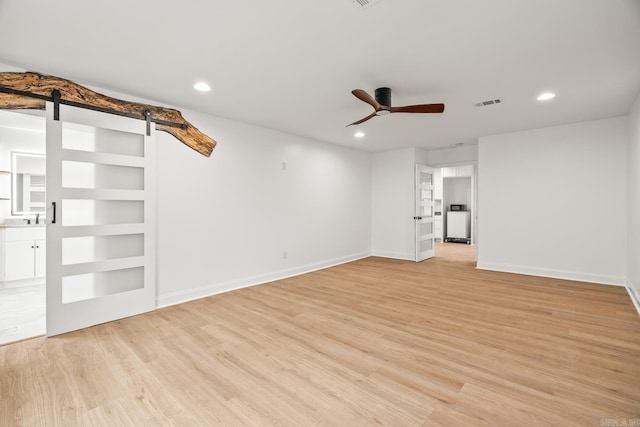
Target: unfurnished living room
335,213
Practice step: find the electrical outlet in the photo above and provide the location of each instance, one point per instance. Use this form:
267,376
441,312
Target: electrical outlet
284,255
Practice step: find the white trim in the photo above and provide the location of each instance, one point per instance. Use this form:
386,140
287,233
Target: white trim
474,163
9,284
555,274
395,255
218,288
634,295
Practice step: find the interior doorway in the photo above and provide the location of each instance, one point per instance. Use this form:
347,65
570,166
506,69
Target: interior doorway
22,225
455,205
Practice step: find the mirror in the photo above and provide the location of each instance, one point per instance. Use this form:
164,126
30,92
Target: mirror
28,173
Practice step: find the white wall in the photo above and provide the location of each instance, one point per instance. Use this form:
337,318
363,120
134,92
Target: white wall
633,199
225,221
393,207
466,154
552,201
393,204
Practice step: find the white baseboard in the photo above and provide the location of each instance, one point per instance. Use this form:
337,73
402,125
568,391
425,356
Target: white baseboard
174,298
22,283
634,294
395,255
555,274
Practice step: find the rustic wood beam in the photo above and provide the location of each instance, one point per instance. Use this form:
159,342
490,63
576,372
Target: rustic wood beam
42,86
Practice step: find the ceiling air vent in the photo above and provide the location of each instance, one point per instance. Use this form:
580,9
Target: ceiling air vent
365,3
489,102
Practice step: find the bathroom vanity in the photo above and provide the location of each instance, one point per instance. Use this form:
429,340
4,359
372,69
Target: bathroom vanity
22,252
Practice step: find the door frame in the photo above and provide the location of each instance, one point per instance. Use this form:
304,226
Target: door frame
474,197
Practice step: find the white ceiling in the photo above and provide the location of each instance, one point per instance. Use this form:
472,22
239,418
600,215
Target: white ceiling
291,64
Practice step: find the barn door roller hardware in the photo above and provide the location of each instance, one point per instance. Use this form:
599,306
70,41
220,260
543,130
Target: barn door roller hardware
56,98
33,90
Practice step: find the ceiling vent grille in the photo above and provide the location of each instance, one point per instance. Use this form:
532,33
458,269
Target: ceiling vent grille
362,4
489,102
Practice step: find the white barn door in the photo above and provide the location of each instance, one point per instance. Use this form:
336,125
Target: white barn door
100,218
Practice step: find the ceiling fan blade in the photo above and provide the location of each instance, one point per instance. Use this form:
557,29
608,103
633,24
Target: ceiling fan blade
363,120
424,108
364,96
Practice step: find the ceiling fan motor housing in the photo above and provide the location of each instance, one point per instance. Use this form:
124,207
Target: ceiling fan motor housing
383,96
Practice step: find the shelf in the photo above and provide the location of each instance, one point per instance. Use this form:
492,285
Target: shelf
5,172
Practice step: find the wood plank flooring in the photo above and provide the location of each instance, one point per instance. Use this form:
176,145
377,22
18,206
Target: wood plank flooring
373,342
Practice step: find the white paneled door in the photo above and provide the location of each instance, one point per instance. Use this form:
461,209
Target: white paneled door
424,217
100,218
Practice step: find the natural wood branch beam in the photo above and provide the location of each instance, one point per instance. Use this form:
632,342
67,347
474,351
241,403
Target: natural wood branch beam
44,86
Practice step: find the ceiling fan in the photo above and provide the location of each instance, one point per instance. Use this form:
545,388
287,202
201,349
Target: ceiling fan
382,104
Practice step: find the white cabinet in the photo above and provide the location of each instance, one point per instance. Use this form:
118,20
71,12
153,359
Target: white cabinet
40,269
449,172
19,260
22,252
457,171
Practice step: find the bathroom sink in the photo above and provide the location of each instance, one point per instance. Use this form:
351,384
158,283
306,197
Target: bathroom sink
21,225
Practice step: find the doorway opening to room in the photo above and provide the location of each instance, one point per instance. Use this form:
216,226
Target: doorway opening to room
22,225
455,208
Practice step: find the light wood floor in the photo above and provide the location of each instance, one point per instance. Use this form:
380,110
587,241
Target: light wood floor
373,342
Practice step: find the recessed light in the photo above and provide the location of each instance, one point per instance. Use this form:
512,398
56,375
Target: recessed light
359,134
546,96
202,87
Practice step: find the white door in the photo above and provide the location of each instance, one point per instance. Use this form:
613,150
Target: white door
424,218
100,218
